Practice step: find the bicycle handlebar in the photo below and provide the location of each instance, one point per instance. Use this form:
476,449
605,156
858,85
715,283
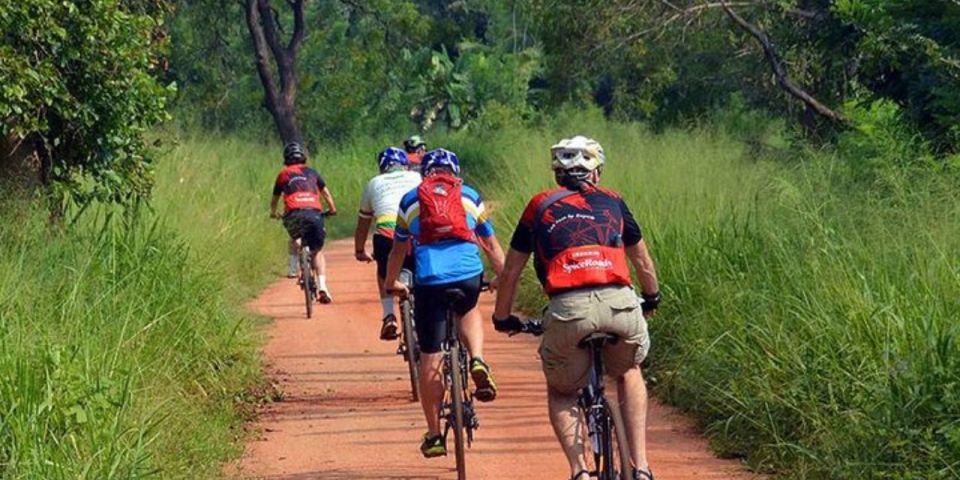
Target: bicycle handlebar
533,326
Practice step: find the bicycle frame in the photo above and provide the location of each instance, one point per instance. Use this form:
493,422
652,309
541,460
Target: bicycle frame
602,421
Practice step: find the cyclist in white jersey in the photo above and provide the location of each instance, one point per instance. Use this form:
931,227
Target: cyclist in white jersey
378,206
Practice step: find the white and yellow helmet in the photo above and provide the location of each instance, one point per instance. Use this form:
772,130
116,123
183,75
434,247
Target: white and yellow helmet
577,152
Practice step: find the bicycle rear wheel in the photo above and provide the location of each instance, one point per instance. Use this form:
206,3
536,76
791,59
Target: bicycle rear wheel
605,442
306,281
410,346
457,395
619,449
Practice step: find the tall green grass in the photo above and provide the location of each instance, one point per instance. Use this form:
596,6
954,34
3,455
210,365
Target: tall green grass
810,320
124,348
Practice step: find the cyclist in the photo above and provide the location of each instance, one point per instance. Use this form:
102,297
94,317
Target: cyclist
415,148
301,188
582,238
446,226
378,206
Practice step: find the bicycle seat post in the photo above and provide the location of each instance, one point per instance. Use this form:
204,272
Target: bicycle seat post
452,296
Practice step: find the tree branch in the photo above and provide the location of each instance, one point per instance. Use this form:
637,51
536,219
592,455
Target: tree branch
783,78
260,53
270,31
298,28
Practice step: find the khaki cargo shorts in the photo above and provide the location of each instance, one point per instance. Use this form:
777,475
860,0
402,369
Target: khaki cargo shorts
571,316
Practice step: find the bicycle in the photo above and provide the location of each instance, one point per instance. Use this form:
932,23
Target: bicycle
457,410
306,279
602,422
409,347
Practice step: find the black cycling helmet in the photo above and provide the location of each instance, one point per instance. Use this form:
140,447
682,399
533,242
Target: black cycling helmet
413,143
293,153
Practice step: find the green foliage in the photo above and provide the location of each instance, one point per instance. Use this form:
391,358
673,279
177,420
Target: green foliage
458,91
79,77
364,66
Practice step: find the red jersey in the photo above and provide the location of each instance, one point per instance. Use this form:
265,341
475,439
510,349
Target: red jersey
578,241
300,186
415,158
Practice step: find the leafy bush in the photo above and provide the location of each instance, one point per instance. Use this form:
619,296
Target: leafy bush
77,80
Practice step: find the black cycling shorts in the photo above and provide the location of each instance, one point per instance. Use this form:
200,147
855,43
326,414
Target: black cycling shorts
381,252
306,224
430,310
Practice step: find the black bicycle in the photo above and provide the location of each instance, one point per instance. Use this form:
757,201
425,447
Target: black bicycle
457,411
409,347
602,421
306,279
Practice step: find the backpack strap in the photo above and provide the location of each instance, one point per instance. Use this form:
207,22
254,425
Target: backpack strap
550,200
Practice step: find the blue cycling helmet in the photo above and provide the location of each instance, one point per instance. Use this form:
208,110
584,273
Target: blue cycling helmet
439,158
391,157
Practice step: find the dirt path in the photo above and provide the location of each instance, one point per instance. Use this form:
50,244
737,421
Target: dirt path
347,413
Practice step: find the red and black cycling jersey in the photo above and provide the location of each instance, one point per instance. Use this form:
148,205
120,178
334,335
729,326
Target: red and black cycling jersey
300,186
578,241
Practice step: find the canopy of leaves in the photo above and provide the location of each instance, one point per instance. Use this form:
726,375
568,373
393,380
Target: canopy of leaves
365,65
77,78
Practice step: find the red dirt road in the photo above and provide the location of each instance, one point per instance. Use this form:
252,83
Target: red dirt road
347,414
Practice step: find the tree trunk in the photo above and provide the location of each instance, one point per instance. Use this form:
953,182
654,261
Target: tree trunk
280,90
20,169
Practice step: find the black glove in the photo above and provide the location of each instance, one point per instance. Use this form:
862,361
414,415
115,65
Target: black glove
507,325
650,301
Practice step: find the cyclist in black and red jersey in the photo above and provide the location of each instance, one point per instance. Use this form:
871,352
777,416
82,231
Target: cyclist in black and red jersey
584,239
415,148
304,194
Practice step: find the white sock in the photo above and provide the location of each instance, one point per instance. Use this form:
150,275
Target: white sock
293,263
322,283
387,304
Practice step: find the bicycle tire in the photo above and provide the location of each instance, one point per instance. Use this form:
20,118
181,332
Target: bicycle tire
306,281
457,395
411,347
620,447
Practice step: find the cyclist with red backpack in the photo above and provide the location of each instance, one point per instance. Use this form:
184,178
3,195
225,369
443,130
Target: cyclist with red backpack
584,239
446,218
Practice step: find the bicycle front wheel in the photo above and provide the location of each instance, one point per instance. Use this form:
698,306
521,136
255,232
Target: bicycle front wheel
457,395
410,346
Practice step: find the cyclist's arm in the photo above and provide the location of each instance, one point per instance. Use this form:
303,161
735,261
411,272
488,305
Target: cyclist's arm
395,261
509,279
360,234
328,199
491,247
273,205
639,256
637,252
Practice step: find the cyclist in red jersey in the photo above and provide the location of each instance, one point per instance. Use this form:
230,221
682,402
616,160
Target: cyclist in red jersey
304,194
583,239
415,148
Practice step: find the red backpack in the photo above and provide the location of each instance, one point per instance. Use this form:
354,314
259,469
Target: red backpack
442,216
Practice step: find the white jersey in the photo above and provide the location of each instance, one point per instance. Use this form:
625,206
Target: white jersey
381,198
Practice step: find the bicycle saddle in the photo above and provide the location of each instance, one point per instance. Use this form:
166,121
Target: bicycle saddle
597,338
454,295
